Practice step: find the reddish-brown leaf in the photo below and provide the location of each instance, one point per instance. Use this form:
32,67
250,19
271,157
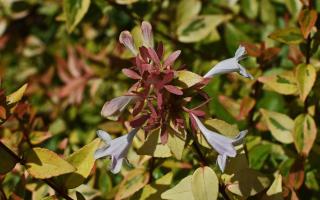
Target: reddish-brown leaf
246,106
251,49
173,89
307,19
160,50
139,121
296,175
269,53
3,113
198,113
171,58
164,134
131,74
144,53
153,56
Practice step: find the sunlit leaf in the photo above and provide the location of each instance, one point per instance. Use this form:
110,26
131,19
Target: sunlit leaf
187,78
305,132
200,27
43,163
280,126
187,9
205,184
17,95
83,160
284,83
306,77
182,190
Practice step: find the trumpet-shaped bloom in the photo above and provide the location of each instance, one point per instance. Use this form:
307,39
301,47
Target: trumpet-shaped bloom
117,148
230,65
223,145
112,109
126,39
146,30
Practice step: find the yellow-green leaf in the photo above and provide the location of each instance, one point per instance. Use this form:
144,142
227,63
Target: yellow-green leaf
288,36
43,163
181,191
188,79
199,27
306,76
245,182
74,11
305,132
284,83
83,160
36,137
275,190
187,9
280,126
153,147
133,181
176,142
205,184
17,95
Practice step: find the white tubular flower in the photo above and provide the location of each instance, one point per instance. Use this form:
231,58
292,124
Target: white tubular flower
126,39
112,109
146,30
117,148
223,145
230,65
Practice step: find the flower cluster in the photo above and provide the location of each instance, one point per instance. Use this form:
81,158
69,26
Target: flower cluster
160,98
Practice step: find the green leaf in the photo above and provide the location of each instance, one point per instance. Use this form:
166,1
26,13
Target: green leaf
304,134
43,163
187,9
83,160
234,37
74,11
306,77
288,36
250,8
258,155
181,191
200,27
284,83
280,125
153,147
205,184
17,95
294,6
188,79
176,142
267,12
312,182
7,163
